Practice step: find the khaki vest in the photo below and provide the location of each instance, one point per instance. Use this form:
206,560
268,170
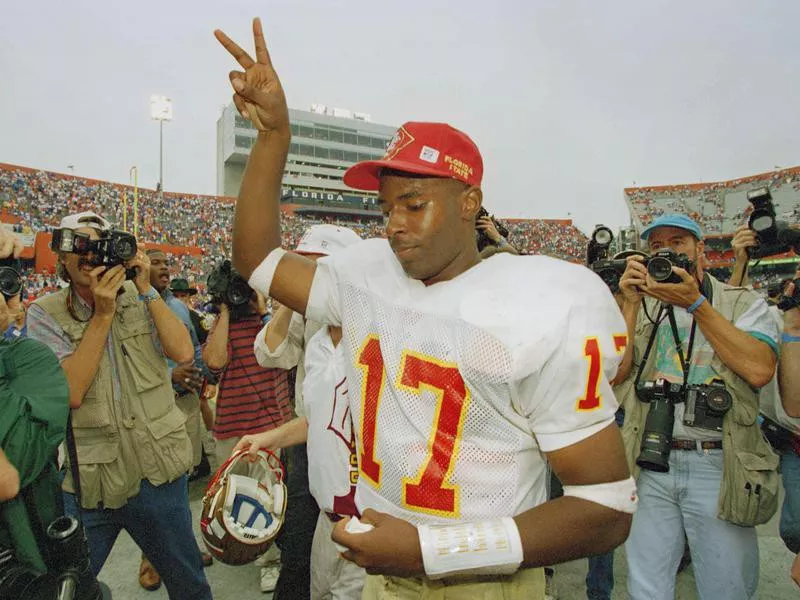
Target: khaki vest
141,434
749,492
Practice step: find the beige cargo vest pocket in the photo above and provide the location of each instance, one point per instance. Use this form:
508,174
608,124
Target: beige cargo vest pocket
134,339
749,495
165,450
95,452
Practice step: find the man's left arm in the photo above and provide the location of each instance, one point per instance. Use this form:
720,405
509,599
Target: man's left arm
172,333
560,530
749,357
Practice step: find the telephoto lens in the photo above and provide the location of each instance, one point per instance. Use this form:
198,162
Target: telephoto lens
69,556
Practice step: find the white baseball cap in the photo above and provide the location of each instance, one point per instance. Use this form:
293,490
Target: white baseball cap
85,219
326,239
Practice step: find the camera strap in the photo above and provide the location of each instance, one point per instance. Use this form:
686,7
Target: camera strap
72,451
650,342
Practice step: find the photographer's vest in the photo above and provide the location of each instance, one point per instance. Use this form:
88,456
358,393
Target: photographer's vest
749,492
141,434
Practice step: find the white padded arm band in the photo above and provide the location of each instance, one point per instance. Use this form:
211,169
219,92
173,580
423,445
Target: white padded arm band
617,495
261,279
482,548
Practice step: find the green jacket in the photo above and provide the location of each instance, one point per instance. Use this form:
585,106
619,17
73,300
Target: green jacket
35,398
141,434
749,491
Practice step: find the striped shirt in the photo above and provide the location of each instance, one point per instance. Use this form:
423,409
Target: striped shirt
250,398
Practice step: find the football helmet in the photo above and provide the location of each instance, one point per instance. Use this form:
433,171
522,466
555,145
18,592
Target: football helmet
243,507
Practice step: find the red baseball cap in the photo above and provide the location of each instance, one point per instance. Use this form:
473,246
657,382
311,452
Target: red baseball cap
434,149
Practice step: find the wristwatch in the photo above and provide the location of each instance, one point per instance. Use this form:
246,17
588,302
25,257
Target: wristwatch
151,296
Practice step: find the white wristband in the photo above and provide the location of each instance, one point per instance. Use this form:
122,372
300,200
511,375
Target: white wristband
617,495
261,279
482,548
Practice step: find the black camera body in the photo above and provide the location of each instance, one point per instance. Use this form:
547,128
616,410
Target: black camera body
774,236
659,265
657,434
706,405
789,302
226,286
481,237
610,271
114,248
10,277
69,574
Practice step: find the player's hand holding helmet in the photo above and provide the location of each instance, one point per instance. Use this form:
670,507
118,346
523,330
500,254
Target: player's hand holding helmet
243,513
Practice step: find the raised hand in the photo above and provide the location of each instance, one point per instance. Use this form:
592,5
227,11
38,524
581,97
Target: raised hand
258,92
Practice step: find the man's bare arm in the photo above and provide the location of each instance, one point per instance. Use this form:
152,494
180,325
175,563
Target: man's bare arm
259,97
568,527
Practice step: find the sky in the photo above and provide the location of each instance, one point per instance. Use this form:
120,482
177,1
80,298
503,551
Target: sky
569,101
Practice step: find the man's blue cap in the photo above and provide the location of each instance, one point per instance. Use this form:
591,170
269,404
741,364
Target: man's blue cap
674,220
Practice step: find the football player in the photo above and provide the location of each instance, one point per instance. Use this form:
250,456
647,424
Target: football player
464,375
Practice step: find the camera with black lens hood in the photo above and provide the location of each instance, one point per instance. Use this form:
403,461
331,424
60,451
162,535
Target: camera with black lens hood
706,405
481,237
657,434
10,277
226,286
659,265
774,236
597,257
69,576
113,248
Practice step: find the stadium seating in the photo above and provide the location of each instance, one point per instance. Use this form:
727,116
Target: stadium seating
36,200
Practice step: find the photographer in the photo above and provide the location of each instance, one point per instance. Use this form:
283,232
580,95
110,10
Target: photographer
789,385
491,236
689,388
130,448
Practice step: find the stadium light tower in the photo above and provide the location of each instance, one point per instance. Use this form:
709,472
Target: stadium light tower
160,110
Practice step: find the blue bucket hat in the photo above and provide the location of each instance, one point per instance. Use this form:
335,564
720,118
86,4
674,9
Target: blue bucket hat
674,220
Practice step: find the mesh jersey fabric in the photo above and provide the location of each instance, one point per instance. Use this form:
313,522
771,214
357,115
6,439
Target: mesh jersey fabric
457,388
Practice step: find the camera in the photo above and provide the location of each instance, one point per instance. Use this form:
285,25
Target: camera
774,237
657,435
226,286
10,278
706,405
113,248
610,270
789,302
68,575
660,263
481,237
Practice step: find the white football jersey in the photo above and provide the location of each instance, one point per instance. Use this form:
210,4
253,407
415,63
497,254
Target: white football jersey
332,462
457,388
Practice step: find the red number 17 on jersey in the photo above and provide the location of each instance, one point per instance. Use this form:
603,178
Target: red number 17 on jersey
431,490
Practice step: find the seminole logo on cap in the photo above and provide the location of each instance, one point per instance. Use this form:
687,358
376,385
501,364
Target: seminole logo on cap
402,139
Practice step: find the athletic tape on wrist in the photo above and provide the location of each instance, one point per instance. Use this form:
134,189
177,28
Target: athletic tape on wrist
261,279
617,495
490,547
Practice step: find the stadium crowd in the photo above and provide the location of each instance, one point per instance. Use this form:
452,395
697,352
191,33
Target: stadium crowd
36,201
